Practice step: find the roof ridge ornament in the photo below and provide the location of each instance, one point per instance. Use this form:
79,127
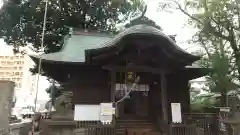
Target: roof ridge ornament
141,15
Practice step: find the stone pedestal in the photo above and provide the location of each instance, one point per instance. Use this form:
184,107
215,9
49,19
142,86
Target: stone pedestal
80,131
50,127
59,116
63,107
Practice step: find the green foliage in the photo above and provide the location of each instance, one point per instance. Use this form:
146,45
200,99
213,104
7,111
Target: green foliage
218,25
21,21
215,21
200,104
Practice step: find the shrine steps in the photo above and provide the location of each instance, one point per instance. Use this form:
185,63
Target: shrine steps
122,125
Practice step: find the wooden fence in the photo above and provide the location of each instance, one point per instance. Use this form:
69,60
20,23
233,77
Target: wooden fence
206,122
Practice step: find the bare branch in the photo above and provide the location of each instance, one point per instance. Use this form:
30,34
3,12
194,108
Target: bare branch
205,47
186,13
218,23
209,27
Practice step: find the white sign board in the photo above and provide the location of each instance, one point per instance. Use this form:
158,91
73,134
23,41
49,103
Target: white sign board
107,112
106,109
176,113
87,112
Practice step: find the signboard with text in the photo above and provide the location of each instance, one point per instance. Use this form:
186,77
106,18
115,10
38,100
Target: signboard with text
176,113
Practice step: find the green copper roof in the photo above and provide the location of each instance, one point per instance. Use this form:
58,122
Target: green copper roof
74,48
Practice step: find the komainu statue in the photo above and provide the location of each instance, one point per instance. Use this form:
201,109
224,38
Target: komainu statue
63,107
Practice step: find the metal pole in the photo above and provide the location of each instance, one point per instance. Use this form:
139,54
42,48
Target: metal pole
40,59
52,88
39,71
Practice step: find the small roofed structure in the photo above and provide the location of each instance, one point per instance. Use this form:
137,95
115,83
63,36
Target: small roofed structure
96,68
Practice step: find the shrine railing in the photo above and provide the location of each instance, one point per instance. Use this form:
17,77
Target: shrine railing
193,124
206,122
210,123
180,129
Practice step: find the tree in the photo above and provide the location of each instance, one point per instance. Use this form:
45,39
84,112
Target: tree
218,24
203,103
21,21
221,79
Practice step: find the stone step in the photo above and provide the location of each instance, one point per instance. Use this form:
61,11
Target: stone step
123,124
134,121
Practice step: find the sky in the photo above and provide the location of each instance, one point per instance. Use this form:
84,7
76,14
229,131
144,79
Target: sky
172,23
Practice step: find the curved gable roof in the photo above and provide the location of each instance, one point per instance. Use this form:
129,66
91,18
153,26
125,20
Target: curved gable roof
146,30
74,50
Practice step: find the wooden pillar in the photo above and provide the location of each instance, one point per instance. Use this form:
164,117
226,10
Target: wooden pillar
113,85
164,97
113,90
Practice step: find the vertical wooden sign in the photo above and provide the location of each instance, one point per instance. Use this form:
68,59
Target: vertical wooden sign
176,113
131,77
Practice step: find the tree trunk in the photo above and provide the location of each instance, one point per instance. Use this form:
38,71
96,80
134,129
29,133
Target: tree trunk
237,57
